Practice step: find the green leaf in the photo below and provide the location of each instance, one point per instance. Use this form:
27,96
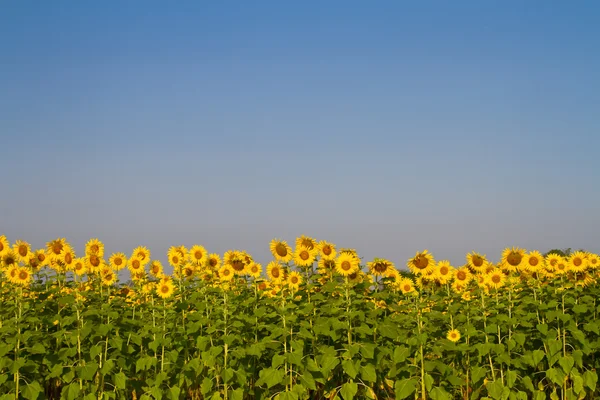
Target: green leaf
270,376
32,391
367,372
495,389
405,388
349,390
237,394
400,354
349,368
439,393
120,380
37,348
590,379
88,371
428,382
566,363
511,377
477,374
288,396
71,392
578,384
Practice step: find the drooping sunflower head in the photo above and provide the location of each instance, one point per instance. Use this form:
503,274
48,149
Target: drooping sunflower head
512,258
327,249
422,263
453,335
188,271
326,266
118,261
304,256
275,272
22,250
214,261
294,280
533,262
156,268
176,259
4,245
346,264
198,255
254,270
380,267
306,241
578,261
444,272
226,273
141,253
9,259
54,247
476,262
94,246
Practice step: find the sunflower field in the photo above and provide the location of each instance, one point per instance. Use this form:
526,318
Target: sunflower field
316,323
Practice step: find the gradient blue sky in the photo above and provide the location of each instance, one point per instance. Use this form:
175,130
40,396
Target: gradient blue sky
385,126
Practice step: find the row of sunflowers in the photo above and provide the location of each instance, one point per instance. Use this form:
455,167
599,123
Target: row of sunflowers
317,322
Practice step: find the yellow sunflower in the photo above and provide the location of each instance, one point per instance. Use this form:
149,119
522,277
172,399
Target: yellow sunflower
552,260
108,278
593,261
198,255
453,335
4,245
41,257
254,269
406,285
141,253
93,262
280,250
156,268
356,277
578,261
444,272
422,263
326,265
9,259
380,267
533,262
294,280
23,277
226,273
214,261
512,258
94,246
327,249
135,265
67,257
304,256
12,272
117,261
54,247
176,259
188,271
306,242
562,267
346,264
165,288
275,271
79,266
22,250
495,279
458,286
476,262
463,275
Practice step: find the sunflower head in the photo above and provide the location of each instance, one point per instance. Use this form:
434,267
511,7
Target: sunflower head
141,253
533,262
306,241
79,266
304,256
406,286
327,249
175,257
294,280
165,288
198,255
22,250
346,264
453,335
444,272
254,270
463,275
4,245
214,261
380,267
9,259
476,262
118,261
55,246
422,263
275,272
155,268
226,273
512,258
495,279
578,261
23,276
94,246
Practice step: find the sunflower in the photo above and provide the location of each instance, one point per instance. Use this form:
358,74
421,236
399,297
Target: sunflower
495,279
156,268
346,264
11,273
135,265
406,286
67,257
214,261
453,335
356,277
165,288
108,278
226,273
326,265
352,252
421,263
533,262
584,279
380,267
562,267
304,256
93,262
4,245
275,271
444,272
117,261
458,286
294,280
175,257
466,296
593,261
41,257
79,266
94,246
141,253
512,258
306,242
198,255
9,259
254,269
327,249
55,247
23,277
463,275
22,250
552,260
578,261
280,250
188,271
476,262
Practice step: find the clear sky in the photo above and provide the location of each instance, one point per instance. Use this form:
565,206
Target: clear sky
385,126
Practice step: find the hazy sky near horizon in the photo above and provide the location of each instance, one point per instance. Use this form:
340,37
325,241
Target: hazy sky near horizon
385,126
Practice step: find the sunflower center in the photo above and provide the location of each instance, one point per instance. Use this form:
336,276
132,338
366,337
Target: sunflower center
94,260
135,264
226,272
533,261
23,275
78,266
327,250
212,262
13,273
407,288
553,262
164,289
577,261
175,259
304,255
461,275
477,260
254,269
381,267
353,275
514,258
262,286
346,266
41,257
421,262
188,272
496,279
444,270
275,273
22,250
294,280
141,255
238,265
118,261
68,258
281,250
308,243
94,248
1,246
198,255
57,248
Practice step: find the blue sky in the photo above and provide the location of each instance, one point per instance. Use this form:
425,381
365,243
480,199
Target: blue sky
387,126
